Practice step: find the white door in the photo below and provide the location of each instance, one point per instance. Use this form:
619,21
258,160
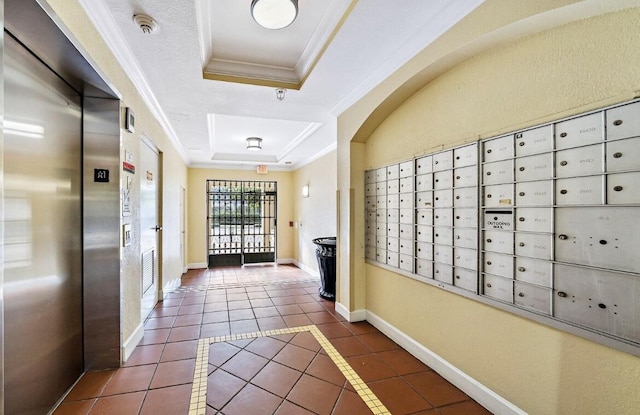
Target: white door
149,227
183,226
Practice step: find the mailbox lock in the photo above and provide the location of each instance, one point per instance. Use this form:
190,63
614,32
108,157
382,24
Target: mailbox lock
563,237
563,135
488,285
489,151
521,193
562,294
488,262
489,196
603,306
617,155
603,242
521,243
617,122
436,161
520,294
521,168
437,180
457,177
521,219
617,188
521,143
489,240
563,191
563,163
521,269
457,217
488,173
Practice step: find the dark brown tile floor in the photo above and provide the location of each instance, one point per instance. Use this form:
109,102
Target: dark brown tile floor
281,374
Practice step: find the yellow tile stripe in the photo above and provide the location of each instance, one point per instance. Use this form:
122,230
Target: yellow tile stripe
198,405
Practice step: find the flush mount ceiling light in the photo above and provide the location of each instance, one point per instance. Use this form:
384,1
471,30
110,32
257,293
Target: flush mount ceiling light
254,143
274,14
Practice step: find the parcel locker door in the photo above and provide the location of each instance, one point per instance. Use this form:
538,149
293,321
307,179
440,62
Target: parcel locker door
534,193
466,279
465,238
498,241
497,172
623,121
623,188
443,273
580,191
465,258
424,165
443,161
581,161
537,140
424,268
534,271
406,169
498,195
498,264
465,177
443,179
465,197
534,245
498,288
623,155
424,182
604,237
532,168
534,219
580,131
532,297
498,149
605,301
465,156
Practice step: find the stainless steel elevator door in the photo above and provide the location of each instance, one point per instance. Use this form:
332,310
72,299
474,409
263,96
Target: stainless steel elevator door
43,234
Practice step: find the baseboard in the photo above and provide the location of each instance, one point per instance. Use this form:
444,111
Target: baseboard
306,269
130,344
197,265
351,316
480,393
172,285
284,261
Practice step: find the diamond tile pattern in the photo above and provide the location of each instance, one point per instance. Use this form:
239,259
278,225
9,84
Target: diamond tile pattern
287,373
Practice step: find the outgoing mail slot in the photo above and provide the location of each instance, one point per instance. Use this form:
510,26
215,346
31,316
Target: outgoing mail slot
497,172
534,193
424,251
443,198
498,288
424,182
443,217
406,262
604,237
623,155
533,271
443,254
499,219
467,279
465,156
406,216
582,161
465,197
579,131
623,188
406,231
601,300
393,259
371,202
393,186
406,169
498,149
424,233
393,201
443,235
393,244
498,241
537,140
534,245
443,272
443,179
406,200
465,238
370,176
465,177
381,255
406,247
534,219
498,195
393,230
465,258
370,189
424,217
406,185
530,296
393,172
393,215
580,191
531,168
465,218
424,268
381,174
424,200
498,264
443,161
623,121
424,165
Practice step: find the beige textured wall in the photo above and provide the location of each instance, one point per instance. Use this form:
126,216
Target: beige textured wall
563,71
197,210
317,213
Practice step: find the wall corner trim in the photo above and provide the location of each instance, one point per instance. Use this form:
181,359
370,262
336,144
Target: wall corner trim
476,390
130,344
351,316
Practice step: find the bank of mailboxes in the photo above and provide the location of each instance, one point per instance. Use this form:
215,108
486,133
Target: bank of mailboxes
547,219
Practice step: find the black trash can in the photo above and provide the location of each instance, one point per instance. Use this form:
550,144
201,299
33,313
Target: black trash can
326,254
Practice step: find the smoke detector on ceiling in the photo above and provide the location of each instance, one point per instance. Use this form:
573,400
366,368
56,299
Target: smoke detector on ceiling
146,23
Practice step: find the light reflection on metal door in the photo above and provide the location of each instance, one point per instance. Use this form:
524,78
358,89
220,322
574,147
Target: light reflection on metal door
241,221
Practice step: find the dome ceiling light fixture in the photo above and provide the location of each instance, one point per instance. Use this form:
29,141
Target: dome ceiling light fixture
254,143
274,14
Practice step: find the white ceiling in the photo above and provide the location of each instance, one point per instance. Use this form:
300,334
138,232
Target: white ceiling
337,62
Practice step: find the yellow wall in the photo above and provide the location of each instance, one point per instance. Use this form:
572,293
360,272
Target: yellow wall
197,210
317,213
562,71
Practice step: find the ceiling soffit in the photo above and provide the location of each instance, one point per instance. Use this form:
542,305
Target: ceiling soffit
236,49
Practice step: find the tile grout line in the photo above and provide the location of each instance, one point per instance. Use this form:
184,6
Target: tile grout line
198,403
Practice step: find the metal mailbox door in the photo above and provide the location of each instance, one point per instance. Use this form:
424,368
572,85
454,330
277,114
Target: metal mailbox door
581,161
604,237
443,198
534,193
424,233
371,203
424,182
443,217
465,258
381,188
406,231
393,186
465,238
443,161
393,244
443,254
623,188
381,255
393,230
580,191
498,264
393,259
406,200
406,185
534,271
465,177
381,227
406,169
497,172
442,235
406,216
466,279
532,297
465,156
406,262
370,252
532,168
424,200
534,245
498,241
605,301
623,121
498,195
498,149
393,201
443,179
580,131
393,215
443,273
370,189
623,155
424,217
370,176
498,219
537,140
424,165
424,268
534,219
381,174
465,217
498,288
424,251
381,241
465,197
406,247
393,172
